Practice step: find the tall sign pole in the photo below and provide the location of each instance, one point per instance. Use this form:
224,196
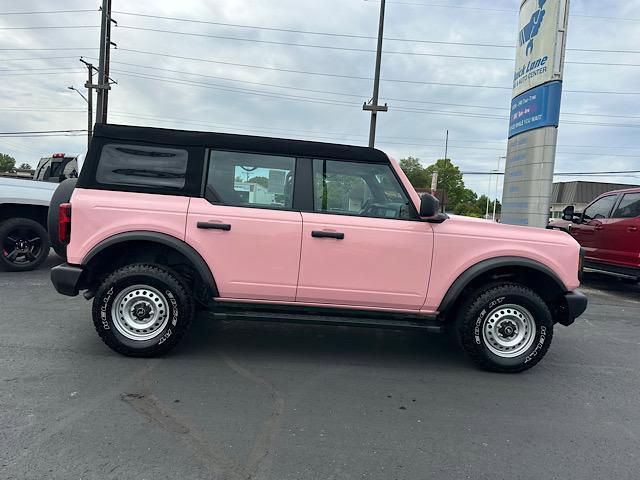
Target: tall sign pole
373,105
535,112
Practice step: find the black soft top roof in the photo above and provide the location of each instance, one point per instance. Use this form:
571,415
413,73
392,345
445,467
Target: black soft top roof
228,141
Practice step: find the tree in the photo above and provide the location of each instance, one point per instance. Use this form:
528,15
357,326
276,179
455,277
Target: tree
481,205
263,181
415,172
7,162
25,166
450,183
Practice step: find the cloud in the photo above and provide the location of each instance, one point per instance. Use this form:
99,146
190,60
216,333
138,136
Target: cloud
183,99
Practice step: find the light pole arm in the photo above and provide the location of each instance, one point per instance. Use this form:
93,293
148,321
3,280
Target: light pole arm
79,93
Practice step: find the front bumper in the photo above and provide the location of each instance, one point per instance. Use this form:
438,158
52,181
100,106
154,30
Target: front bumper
66,279
575,303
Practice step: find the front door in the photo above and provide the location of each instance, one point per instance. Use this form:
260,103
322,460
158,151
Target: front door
622,232
590,231
245,227
363,245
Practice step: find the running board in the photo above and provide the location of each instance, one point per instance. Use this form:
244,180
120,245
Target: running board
429,324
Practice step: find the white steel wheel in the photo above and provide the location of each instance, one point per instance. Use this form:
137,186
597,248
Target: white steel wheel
140,312
509,330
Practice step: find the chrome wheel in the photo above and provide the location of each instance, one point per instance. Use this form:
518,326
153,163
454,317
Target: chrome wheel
509,330
140,312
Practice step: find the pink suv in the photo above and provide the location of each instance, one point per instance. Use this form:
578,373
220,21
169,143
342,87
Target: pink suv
162,222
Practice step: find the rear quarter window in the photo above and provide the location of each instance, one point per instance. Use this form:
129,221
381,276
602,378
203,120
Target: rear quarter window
142,166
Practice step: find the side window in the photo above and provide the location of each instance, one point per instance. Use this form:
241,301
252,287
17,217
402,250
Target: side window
629,206
364,189
71,169
250,180
142,166
600,208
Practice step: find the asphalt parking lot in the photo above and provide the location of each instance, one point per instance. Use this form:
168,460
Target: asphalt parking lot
265,401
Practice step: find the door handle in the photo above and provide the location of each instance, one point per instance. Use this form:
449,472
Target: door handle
632,228
598,227
323,234
214,226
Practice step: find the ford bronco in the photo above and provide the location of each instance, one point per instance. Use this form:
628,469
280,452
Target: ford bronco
161,222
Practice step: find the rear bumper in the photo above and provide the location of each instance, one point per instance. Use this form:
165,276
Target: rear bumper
66,279
575,305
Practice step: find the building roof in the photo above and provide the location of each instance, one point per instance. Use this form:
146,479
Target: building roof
582,192
242,143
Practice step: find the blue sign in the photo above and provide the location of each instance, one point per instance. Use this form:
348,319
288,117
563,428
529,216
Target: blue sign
535,108
531,29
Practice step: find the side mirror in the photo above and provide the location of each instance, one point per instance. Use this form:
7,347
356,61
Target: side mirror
429,206
568,213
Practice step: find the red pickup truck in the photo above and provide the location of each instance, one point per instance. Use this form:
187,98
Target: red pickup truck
609,231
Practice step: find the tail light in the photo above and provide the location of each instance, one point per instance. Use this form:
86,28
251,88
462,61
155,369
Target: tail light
64,223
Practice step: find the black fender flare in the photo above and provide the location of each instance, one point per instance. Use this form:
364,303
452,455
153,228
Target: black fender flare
484,266
185,249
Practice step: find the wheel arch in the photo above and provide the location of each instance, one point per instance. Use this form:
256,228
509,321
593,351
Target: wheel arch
33,211
141,240
529,272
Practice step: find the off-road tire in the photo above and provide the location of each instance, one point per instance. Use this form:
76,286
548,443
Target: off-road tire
33,228
475,313
177,298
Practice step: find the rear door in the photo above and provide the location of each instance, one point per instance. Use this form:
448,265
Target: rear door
622,232
362,244
246,228
590,232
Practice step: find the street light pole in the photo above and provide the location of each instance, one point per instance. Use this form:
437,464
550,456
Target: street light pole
495,201
89,109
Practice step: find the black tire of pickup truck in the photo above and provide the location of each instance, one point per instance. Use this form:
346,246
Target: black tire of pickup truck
61,195
171,308
34,256
492,306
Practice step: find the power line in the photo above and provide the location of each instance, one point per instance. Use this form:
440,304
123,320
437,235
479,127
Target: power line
41,131
48,12
49,27
47,49
484,9
52,72
353,49
355,77
355,95
346,35
310,45
37,58
44,135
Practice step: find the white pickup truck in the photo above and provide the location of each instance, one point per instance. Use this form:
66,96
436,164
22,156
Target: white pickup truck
24,207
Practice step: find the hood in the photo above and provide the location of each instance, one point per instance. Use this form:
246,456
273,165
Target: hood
489,228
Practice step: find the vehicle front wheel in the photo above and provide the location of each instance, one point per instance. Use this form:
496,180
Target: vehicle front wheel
505,327
142,310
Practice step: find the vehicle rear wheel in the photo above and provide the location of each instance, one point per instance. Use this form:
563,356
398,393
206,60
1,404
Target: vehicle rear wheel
505,327
142,310
24,244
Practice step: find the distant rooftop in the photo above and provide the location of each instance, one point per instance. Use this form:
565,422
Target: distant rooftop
582,192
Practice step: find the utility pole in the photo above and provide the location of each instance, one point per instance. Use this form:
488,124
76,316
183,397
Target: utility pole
444,185
373,106
103,85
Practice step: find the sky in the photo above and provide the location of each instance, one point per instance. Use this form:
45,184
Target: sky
211,88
